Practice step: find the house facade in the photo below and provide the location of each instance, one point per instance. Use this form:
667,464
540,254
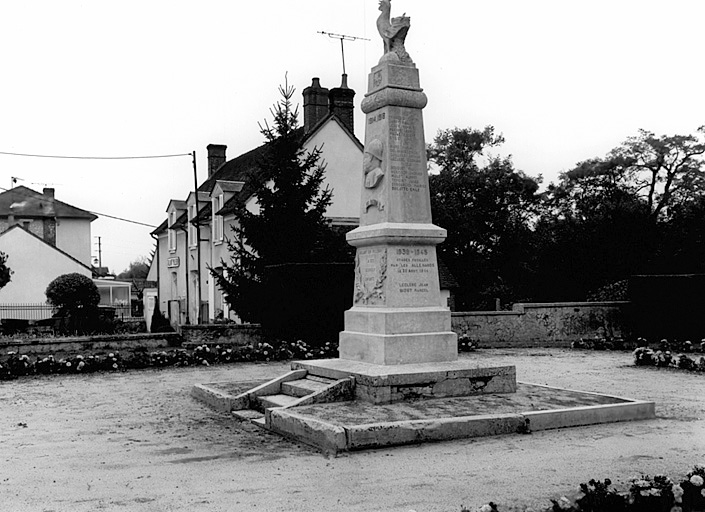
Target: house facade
194,237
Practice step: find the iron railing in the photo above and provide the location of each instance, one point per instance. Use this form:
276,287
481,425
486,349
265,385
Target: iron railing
39,311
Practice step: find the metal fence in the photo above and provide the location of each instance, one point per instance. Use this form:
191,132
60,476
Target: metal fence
39,311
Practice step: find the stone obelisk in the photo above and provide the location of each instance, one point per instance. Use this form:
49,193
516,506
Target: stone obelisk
397,316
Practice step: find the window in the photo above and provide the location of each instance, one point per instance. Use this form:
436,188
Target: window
172,233
217,219
192,230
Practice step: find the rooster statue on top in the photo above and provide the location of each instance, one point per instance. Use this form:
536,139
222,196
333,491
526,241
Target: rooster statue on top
393,32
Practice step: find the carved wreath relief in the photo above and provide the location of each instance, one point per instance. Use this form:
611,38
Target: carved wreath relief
370,275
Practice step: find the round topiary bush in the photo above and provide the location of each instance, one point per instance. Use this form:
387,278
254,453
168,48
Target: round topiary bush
71,292
75,298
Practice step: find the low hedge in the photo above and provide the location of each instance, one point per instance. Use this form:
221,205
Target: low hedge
16,365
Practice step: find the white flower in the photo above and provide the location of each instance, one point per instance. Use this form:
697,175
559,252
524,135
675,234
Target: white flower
677,491
68,363
111,355
80,365
115,365
564,503
702,491
696,480
485,508
676,508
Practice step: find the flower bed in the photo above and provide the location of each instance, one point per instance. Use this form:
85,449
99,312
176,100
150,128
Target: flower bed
16,365
664,357
645,494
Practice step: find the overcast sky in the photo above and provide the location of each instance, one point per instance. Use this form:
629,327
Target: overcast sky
562,80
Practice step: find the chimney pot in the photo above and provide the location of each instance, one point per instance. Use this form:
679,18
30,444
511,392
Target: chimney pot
49,192
341,103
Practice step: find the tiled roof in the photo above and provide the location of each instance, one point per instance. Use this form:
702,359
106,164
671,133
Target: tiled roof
161,227
32,204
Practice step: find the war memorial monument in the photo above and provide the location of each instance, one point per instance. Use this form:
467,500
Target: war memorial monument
398,378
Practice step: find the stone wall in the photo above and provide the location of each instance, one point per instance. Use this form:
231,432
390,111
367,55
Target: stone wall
221,334
542,324
84,344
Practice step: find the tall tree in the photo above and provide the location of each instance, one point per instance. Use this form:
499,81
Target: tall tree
612,217
290,226
487,210
665,170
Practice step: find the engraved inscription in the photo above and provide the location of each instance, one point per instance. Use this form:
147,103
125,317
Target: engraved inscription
406,161
417,267
378,117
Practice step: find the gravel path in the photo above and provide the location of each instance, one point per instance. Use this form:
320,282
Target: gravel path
138,441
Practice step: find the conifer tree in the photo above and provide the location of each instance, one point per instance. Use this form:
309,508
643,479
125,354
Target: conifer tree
290,226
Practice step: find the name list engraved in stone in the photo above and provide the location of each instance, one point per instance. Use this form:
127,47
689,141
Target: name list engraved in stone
406,164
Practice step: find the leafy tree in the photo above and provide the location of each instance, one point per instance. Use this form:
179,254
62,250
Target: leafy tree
487,211
5,271
290,226
634,211
665,170
138,269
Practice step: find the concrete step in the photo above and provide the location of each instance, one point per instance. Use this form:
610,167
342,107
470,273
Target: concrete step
303,387
259,422
247,415
269,401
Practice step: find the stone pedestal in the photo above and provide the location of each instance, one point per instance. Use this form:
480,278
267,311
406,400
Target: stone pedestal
397,315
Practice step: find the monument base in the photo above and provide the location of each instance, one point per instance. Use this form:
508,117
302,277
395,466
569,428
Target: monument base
398,349
383,384
393,336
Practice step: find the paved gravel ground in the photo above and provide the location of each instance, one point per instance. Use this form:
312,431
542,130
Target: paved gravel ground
138,441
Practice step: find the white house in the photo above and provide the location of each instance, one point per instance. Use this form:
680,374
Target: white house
44,238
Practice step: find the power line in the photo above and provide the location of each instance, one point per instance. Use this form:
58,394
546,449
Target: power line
124,220
94,213
95,157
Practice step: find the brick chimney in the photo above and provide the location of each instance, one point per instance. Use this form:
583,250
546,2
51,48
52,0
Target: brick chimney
216,157
49,223
341,103
315,104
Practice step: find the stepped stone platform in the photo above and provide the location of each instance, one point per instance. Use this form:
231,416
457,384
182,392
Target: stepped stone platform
328,412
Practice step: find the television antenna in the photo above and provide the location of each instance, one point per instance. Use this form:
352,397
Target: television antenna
343,38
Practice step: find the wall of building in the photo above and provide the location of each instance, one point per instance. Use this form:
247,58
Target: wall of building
542,324
35,265
343,159
73,236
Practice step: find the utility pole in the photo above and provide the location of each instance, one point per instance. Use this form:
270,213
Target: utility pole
343,38
100,253
198,244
